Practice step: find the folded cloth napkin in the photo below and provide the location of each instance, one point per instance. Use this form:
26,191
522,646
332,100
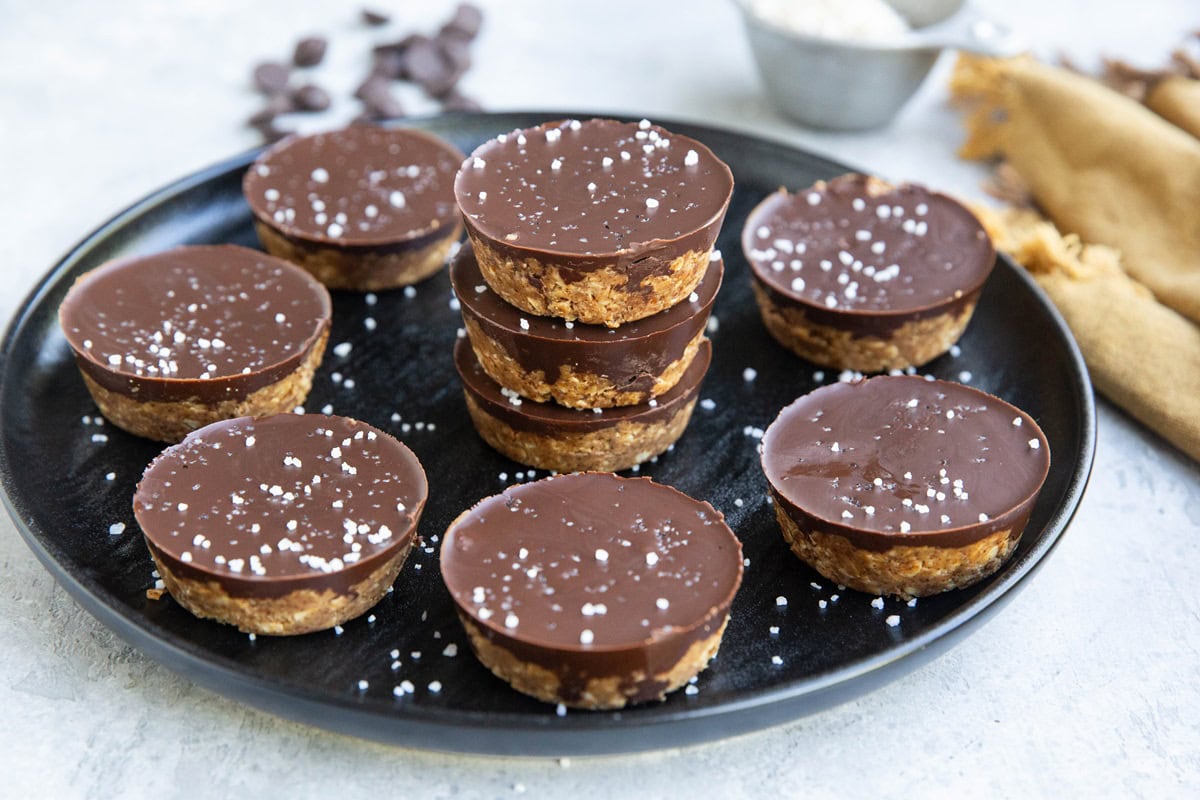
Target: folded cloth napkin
1177,100
1142,355
1098,164
1114,174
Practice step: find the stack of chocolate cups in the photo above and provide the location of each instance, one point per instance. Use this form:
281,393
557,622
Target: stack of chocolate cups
586,289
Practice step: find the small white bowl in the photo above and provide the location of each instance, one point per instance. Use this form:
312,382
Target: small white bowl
856,85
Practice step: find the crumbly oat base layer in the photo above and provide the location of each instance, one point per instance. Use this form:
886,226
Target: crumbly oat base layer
609,449
912,344
359,271
301,611
171,420
903,571
606,692
604,297
571,388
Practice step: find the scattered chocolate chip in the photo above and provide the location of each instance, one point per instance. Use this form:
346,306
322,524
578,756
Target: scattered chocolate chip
388,64
378,100
458,53
400,45
427,66
309,51
276,105
311,97
271,77
465,23
375,18
457,101
368,86
270,132
436,64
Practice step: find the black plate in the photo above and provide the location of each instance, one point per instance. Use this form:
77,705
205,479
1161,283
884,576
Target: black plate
54,473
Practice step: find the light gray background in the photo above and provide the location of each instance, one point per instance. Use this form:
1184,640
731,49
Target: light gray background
1088,683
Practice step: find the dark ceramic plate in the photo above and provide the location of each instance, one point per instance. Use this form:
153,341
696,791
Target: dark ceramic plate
54,467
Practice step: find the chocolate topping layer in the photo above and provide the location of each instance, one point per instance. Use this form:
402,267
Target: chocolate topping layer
854,251
362,186
902,460
209,322
269,506
632,356
599,193
553,419
603,574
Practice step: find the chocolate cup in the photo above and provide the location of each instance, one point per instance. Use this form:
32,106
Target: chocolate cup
879,329
640,261
875,536
578,365
240,457
544,659
392,187
548,436
172,317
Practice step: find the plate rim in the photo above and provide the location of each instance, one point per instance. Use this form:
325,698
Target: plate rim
605,733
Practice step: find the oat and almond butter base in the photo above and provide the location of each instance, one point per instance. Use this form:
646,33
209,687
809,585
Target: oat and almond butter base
602,296
599,693
172,420
608,449
361,269
903,571
297,612
571,388
911,344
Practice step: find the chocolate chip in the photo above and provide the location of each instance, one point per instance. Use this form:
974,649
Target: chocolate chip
309,51
457,52
311,97
457,101
271,77
378,100
388,64
276,105
466,22
270,132
399,46
426,64
375,18
370,85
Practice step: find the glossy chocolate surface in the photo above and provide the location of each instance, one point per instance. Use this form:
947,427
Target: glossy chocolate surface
552,419
582,195
362,186
593,573
211,322
902,460
851,259
269,506
632,355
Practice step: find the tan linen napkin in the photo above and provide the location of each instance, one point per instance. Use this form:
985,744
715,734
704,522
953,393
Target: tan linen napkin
1142,355
1099,165
1177,100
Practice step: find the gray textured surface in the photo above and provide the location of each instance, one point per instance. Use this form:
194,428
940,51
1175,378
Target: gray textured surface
1089,682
